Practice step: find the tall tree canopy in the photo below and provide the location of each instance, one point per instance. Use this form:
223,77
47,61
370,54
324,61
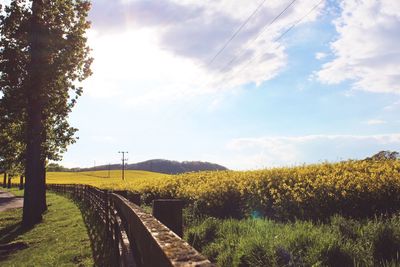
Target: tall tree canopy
43,58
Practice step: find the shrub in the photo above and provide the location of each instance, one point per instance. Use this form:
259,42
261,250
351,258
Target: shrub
257,254
335,256
203,234
386,245
347,228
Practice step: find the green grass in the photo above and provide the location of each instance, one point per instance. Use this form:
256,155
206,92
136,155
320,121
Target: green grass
15,191
260,242
60,240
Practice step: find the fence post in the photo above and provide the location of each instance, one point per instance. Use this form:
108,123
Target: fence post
169,212
21,182
5,180
107,209
116,231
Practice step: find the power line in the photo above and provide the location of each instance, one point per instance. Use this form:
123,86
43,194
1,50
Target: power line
258,36
237,32
285,32
300,20
265,28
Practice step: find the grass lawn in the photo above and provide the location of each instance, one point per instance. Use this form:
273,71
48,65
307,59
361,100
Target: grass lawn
60,240
14,191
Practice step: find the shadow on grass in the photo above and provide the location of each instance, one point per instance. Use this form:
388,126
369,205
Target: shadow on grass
102,248
7,236
101,244
11,232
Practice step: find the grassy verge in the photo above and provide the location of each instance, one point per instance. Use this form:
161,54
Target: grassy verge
60,240
14,190
259,242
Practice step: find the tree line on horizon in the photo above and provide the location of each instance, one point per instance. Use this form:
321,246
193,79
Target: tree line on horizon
154,165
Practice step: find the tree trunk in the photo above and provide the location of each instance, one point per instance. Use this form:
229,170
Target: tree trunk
42,190
35,191
5,180
9,182
33,197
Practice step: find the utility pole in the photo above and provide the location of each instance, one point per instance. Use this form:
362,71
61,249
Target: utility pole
123,163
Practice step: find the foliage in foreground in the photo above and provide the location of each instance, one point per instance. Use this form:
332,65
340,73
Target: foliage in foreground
61,240
356,189
43,60
257,242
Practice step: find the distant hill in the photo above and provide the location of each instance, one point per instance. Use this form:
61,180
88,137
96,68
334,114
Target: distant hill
175,167
162,166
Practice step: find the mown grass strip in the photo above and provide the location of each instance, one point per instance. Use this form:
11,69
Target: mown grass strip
60,240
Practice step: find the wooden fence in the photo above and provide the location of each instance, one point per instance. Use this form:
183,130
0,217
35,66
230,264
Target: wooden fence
137,238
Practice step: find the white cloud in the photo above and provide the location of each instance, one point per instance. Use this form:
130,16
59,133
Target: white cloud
250,153
394,106
375,122
132,67
320,55
367,50
158,52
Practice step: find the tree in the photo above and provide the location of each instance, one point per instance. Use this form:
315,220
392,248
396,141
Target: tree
11,75
54,167
11,156
385,155
43,56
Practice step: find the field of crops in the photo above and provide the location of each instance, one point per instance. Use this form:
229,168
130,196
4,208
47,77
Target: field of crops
365,194
102,179
352,188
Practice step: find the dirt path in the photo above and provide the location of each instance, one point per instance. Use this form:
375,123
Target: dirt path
9,201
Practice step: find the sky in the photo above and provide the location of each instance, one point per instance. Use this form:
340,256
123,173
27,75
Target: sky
247,84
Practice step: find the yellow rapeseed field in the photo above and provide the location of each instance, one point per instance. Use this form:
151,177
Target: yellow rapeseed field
353,188
102,179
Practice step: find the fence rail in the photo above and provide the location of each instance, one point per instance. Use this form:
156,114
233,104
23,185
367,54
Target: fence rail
138,239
